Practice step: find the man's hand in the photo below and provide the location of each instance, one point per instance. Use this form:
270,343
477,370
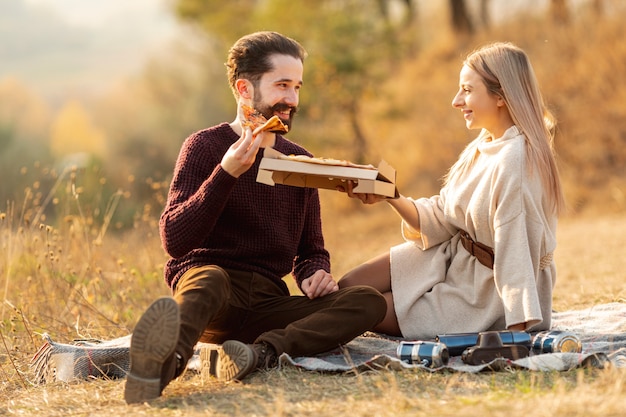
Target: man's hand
241,154
319,284
365,198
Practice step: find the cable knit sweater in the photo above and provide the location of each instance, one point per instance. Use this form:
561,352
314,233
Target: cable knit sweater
214,218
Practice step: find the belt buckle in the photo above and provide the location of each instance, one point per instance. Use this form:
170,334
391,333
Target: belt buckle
468,242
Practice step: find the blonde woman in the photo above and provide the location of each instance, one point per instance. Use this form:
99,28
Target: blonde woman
479,255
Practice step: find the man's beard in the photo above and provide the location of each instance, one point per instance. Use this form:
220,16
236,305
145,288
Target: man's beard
268,111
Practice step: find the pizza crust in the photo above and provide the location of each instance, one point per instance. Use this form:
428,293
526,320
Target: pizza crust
258,123
324,161
274,124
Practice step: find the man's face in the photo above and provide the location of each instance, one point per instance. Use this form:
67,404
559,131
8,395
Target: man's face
278,90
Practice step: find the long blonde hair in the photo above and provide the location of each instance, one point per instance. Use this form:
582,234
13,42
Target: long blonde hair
506,71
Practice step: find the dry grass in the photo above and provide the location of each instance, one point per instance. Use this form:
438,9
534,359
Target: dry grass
290,392
74,280
106,302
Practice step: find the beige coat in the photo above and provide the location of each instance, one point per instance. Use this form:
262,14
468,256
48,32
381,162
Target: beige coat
438,287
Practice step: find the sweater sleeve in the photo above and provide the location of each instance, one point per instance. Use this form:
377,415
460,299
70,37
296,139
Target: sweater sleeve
520,230
312,255
196,199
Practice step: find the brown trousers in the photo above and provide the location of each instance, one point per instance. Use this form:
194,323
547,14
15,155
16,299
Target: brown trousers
217,305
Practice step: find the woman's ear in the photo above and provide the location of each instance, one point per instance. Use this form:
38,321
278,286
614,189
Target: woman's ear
244,88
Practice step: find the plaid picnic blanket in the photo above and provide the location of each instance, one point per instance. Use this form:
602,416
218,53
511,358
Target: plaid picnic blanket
601,329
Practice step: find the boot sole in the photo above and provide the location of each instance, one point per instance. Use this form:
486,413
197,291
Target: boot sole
235,361
209,358
152,342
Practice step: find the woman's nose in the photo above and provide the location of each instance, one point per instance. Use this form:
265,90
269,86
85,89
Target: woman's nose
457,101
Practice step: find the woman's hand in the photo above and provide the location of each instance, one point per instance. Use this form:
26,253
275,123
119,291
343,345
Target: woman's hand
520,327
402,205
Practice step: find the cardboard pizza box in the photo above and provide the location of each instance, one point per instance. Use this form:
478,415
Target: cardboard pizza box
379,180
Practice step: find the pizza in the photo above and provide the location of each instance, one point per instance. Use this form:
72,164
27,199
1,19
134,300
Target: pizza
324,161
258,123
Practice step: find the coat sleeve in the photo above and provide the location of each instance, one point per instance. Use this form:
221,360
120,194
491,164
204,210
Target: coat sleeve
522,226
516,272
434,226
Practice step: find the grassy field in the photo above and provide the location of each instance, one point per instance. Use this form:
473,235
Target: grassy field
57,282
78,280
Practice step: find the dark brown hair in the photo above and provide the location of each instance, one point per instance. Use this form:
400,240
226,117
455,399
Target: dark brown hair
249,59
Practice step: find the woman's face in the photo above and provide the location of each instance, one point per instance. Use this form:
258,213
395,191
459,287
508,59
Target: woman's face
480,108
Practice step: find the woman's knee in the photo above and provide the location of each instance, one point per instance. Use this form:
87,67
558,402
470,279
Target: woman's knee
348,280
374,273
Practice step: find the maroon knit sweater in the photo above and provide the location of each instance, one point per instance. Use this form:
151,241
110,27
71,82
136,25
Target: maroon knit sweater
213,218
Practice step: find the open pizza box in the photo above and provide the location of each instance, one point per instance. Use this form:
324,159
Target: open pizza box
301,171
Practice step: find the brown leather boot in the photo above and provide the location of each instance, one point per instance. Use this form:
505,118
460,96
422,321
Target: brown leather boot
153,360
234,360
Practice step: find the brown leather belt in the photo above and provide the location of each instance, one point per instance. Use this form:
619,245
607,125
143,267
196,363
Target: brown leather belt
483,253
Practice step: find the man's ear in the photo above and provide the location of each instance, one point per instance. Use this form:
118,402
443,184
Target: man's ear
244,88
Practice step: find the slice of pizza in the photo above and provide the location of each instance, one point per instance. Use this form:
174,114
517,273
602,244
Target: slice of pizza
258,123
325,161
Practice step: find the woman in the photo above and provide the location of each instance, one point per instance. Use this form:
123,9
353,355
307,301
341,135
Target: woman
478,256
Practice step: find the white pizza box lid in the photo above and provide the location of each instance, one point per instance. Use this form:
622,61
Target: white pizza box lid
379,180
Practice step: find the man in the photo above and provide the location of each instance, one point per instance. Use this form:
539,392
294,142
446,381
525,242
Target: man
232,241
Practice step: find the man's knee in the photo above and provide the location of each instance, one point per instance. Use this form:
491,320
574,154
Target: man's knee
371,300
208,279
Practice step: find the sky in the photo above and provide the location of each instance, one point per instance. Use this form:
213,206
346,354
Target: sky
98,13
58,47
88,13
61,47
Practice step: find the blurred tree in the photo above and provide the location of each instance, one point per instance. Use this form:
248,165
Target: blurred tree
598,7
485,18
461,21
559,11
24,109
353,45
410,9
148,117
73,132
24,122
